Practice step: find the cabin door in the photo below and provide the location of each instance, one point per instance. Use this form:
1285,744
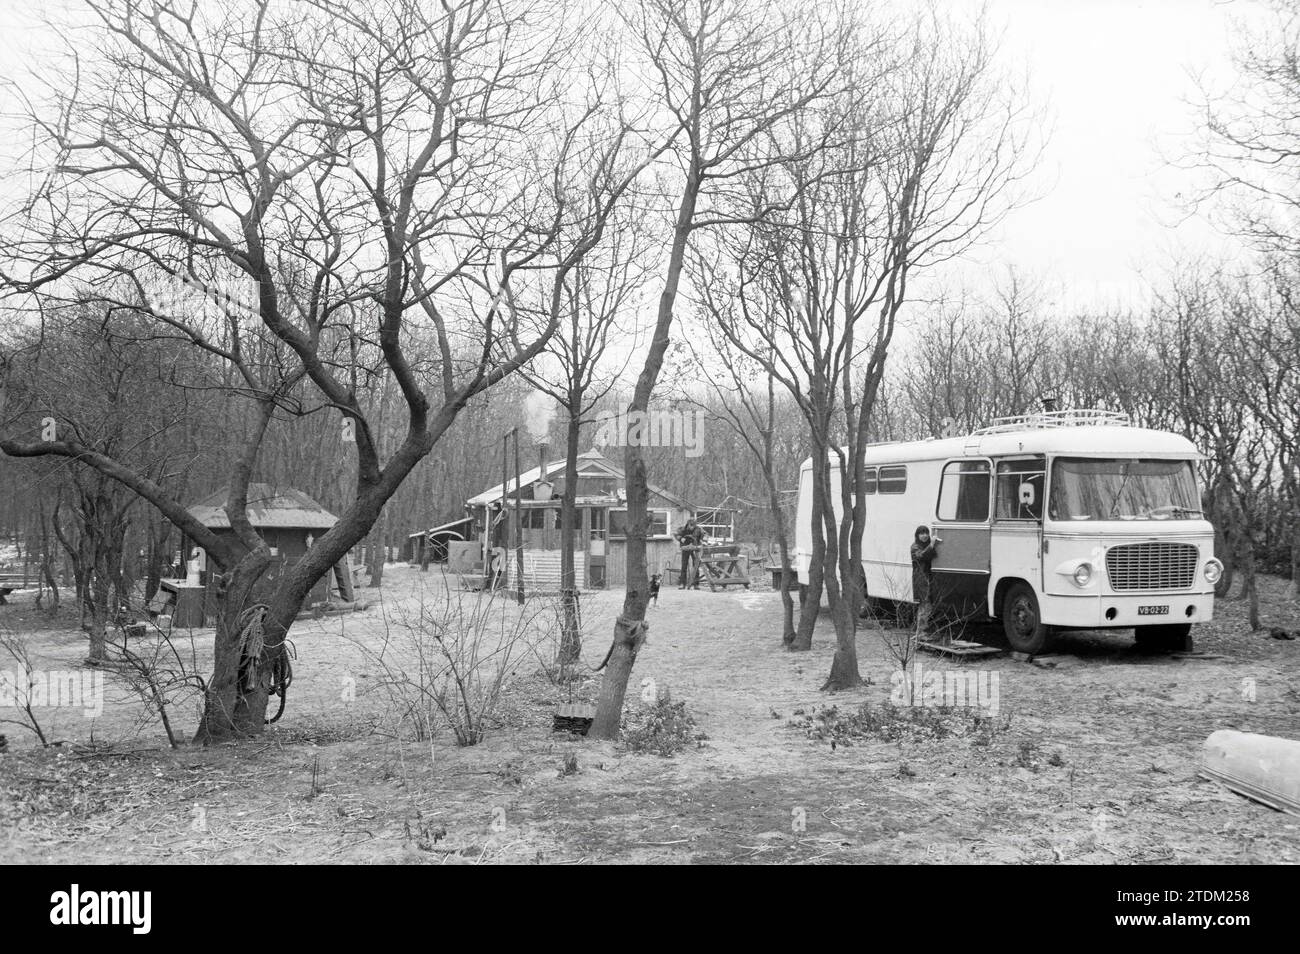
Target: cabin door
959,585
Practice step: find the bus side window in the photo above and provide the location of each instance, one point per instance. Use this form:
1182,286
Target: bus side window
964,491
1020,487
869,480
893,480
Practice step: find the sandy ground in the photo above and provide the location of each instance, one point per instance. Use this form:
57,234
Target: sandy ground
1093,756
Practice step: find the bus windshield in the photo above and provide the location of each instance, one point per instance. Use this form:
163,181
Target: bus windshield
1092,489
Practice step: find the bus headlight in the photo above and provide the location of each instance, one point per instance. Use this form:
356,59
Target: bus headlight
1213,571
1082,574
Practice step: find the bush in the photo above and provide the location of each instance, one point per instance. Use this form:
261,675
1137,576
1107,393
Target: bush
663,728
888,723
450,662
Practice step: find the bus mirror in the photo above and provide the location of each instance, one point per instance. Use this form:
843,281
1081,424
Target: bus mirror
1027,494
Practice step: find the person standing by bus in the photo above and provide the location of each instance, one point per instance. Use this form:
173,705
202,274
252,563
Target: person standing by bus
923,554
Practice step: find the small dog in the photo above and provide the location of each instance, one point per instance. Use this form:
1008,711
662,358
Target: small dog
654,588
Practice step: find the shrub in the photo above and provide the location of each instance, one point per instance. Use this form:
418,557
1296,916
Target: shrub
451,661
662,728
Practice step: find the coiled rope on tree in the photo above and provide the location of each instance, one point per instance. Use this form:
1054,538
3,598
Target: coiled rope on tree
252,643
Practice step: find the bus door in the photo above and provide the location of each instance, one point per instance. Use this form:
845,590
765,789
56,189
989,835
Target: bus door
962,564
1019,495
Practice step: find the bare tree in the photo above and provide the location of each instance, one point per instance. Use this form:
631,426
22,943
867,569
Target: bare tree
724,74
575,371
338,181
919,173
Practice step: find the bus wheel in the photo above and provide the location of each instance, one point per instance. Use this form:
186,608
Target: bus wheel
1171,637
1025,629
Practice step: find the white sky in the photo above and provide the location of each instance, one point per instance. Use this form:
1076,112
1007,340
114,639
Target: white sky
1115,76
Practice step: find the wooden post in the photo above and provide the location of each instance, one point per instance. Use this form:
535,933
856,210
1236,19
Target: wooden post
505,523
519,523
584,541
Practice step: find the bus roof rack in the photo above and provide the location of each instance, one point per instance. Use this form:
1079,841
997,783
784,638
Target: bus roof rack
1042,420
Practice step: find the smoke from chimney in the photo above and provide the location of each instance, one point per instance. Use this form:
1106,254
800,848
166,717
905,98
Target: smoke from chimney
539,411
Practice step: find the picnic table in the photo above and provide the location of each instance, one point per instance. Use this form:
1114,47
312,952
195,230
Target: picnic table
723,566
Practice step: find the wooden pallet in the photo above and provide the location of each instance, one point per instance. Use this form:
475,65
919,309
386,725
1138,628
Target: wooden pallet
574,717
959,648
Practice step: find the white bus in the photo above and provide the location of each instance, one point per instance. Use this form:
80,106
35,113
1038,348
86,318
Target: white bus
1057,520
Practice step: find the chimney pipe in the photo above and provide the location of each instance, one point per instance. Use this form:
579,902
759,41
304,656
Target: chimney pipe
541,460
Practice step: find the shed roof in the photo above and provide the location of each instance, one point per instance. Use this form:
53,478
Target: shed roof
442,528
268,507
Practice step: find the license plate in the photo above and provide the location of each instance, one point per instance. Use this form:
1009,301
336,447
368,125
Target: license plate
1153,610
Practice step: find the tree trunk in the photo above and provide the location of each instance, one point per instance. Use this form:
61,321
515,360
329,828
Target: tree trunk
47,564
570,637
788,577
157,547
630,627
235,704
98,591
375,555
810,606
844,667
1226,550
1293,589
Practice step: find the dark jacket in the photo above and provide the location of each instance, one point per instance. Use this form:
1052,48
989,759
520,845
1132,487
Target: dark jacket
922,556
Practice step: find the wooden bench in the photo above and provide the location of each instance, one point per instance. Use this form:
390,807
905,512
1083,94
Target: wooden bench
13,581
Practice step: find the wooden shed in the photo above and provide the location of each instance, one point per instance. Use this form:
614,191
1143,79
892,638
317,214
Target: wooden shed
601,530
288,520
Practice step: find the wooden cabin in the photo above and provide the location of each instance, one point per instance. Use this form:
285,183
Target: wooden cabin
600,558
289,521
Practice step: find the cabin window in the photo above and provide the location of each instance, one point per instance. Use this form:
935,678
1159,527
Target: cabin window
1020,486
541,518
597,524
964,491
893,480
658,523
869,481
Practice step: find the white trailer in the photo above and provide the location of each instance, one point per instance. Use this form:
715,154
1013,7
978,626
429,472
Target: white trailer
1052,521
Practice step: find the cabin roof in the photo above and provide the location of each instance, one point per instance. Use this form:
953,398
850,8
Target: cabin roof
268,507
591,464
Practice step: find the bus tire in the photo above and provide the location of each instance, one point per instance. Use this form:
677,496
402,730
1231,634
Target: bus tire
1169,637
1022,623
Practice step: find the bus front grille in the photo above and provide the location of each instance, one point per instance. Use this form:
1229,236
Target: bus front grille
1151,566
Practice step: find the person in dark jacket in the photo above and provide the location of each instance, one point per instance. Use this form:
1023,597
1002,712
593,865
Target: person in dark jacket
923,554
691,538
